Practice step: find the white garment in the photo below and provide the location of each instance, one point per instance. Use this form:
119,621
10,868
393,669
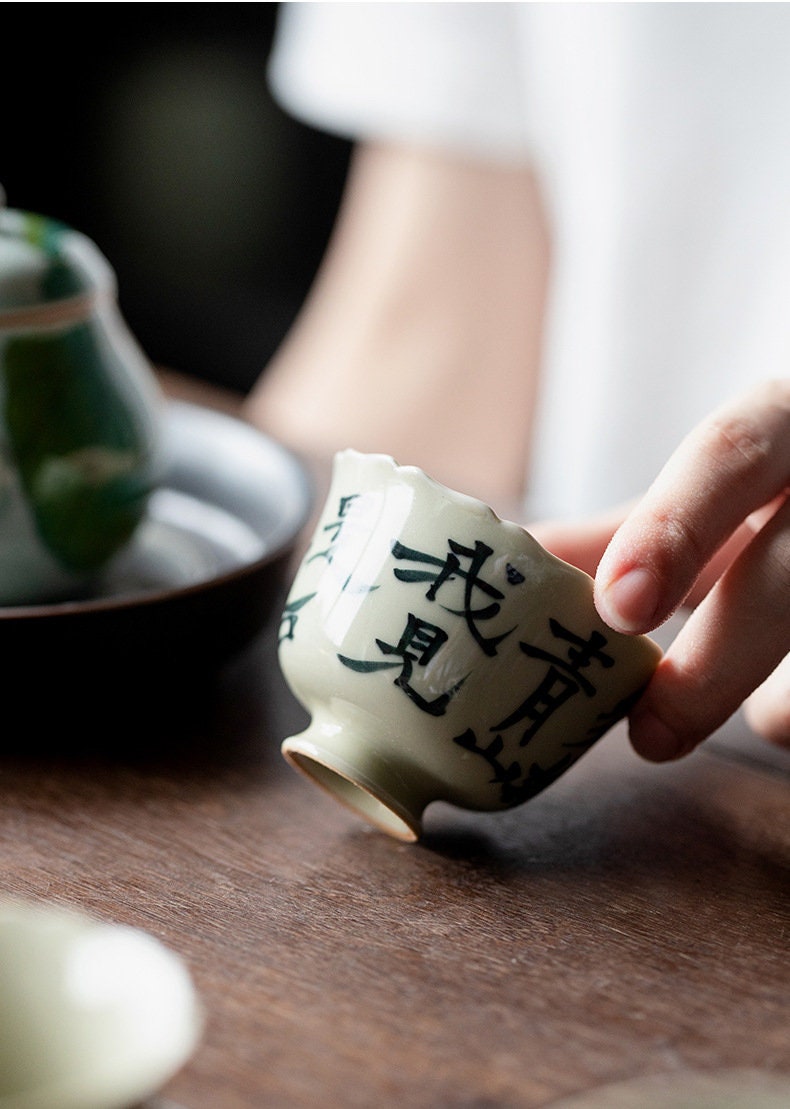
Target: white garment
662,135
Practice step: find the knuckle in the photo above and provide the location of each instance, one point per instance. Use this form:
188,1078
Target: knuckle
777,574
738,443
745,436
767,712
769,552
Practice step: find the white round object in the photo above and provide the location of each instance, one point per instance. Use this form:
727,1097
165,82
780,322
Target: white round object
92,1015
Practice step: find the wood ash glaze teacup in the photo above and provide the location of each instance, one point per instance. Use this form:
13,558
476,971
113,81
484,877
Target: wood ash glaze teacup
80,414
442,653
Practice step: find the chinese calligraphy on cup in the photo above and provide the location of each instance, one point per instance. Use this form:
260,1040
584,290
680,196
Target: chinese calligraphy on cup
441,652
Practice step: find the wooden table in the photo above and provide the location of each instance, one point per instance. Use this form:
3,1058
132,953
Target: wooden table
632,920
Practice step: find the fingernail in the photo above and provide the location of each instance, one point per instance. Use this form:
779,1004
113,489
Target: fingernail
629,603
653,740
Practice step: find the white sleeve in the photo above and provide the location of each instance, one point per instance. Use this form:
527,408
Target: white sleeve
445,74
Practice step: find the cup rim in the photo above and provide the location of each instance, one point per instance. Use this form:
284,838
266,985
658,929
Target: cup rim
465,501
414,473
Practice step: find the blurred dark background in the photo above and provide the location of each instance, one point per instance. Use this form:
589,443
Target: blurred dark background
150,127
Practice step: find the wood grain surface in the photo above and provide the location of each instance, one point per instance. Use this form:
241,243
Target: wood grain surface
631,921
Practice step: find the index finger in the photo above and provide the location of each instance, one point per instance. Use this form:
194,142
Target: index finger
730,465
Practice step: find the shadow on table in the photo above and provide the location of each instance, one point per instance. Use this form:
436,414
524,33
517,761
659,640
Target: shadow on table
196,719
615,812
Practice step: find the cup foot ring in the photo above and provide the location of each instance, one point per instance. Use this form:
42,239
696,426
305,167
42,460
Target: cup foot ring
349,789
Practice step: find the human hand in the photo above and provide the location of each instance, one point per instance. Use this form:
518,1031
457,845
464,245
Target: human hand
713,531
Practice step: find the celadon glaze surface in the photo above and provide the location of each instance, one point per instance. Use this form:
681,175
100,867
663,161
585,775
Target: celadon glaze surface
79,414
442,653
95,1015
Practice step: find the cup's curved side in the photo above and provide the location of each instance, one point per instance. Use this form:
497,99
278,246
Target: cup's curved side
442,653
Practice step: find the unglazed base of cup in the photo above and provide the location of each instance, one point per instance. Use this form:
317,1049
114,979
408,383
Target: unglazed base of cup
352,787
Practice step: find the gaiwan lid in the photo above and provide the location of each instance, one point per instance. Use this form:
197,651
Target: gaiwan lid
44,261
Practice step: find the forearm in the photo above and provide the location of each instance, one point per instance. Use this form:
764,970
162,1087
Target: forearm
421,336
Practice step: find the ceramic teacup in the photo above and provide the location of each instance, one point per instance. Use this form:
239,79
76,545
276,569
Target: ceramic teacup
442,653
80,412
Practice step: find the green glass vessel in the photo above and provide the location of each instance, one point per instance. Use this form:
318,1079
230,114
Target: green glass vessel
80,414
